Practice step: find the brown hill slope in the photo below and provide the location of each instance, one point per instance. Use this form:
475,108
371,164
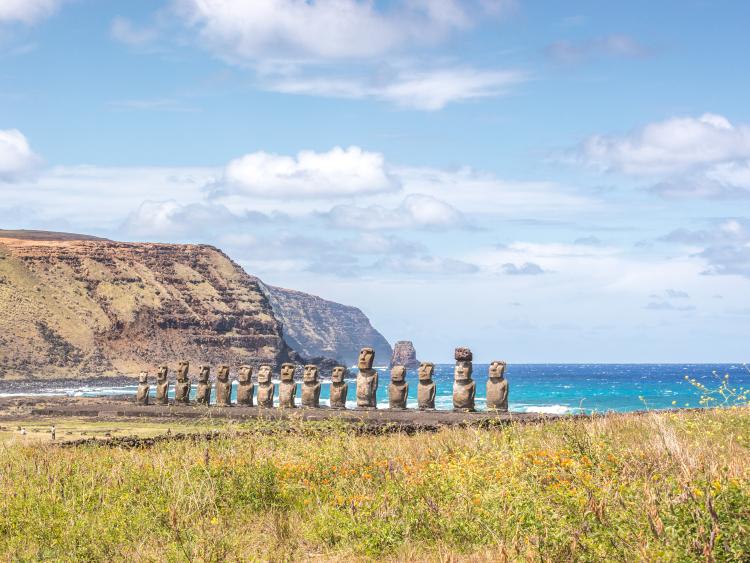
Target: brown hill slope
81,306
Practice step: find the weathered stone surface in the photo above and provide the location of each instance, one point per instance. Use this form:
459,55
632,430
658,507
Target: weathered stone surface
405,355
398,389
203,395
162,386
78,306
463,354
223,387
141,394
245,387
287,387
182,384
367,380
316,328
265,386
464,388
426,386
310,387
339,388
497,387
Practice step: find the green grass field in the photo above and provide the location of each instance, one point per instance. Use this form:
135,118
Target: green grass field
667,487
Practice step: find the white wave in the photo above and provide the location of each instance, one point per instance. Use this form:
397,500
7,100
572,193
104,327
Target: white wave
545,409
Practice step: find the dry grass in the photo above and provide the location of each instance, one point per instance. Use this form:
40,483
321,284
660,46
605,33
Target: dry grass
670,486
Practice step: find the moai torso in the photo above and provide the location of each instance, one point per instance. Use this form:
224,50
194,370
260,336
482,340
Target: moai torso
398,390
245,388
339,388
162,386
182,385
141,394
287,387
223,387
265,387
464,388
310,387
203,396
367,380
497,387
426,386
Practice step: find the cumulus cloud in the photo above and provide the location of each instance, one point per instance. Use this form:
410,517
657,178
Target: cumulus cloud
672,146
16,157
427,90
325,29
336,173
525,269
426,265
615,45
416,211
27,11
724,245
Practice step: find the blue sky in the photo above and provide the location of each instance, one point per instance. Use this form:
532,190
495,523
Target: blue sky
541,181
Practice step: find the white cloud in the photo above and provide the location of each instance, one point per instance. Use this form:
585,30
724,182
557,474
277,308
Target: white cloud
16,157
325,29
672,146
430,265
417,211
27,11
428,90
336,173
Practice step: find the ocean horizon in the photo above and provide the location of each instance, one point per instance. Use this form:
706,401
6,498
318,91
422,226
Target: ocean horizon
541,388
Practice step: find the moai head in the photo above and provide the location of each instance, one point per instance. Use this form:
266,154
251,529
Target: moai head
311,374
287,372
337,375
398,374
246,374
223,373
265,374
497,369
426,370
204,374
462,372
366,357
463,354
161,375
143,378
182,371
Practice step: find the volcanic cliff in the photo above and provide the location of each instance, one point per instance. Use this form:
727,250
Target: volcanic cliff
74,305
315,327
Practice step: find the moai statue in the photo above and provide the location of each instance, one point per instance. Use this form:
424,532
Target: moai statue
245,388
311,387
339,388
367,380
223,387
287,387
398,390
426,386
464,388
203,397
265,387
182,385
162,386
497,387
141,395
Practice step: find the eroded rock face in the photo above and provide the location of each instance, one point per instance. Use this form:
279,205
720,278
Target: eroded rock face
315,327
97,307
405,355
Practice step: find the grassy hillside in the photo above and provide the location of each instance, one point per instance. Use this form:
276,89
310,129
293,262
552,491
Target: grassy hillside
668,487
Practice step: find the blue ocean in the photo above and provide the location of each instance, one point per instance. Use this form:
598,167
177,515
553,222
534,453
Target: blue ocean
543,388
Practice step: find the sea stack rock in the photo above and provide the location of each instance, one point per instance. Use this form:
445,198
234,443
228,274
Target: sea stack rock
405,355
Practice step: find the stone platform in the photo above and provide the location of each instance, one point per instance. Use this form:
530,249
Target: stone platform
410,419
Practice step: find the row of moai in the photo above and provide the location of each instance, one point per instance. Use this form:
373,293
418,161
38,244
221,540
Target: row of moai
464,387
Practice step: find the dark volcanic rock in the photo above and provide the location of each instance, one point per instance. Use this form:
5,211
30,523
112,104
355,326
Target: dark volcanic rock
315,327
463,354
405,355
